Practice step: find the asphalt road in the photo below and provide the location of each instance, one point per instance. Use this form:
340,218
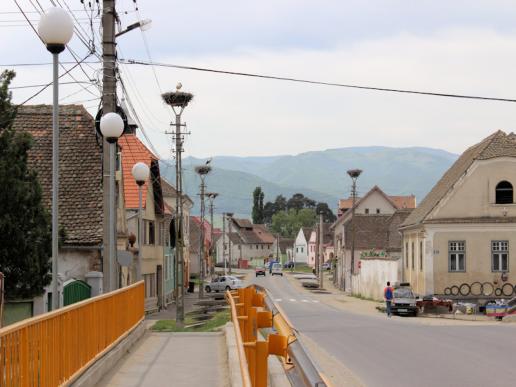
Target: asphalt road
399,352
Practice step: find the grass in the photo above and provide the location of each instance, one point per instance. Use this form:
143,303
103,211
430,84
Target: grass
218,320
300,268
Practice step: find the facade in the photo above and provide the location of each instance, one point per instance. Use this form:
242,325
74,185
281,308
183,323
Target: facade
80,194
327,244
300,249
376,212
464,231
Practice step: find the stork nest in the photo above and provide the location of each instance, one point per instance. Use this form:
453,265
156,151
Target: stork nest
177,98
203,169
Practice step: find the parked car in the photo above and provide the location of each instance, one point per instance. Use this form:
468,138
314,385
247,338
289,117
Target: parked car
404,300
277,269
222,283
289,265
259,270
326,266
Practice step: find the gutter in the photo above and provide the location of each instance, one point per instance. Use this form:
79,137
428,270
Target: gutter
81,247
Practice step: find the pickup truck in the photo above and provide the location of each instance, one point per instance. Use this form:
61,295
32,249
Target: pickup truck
404,301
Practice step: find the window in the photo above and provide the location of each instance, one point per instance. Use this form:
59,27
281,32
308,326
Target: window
421,256
161,236
297,249
406,255
366,210
256,247
457,255
504,194
150,285
412,255
262,247
377,210
150,232
301,249
500,255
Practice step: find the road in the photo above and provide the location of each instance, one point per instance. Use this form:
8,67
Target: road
400,351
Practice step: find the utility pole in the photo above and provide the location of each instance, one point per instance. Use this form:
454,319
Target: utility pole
230,220
202,171
354,174
277,248
212,196
320,252
108,106
178,100
224,241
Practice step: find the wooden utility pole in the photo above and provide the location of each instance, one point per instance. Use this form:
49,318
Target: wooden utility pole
320,252
108,106
224,241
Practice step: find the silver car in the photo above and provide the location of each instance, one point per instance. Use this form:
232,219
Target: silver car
223,283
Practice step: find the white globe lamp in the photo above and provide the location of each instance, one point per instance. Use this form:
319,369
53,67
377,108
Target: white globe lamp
111,127
55,29
140,173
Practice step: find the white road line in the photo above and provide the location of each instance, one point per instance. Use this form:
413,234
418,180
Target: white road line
305,300
316,301
293,300
278,299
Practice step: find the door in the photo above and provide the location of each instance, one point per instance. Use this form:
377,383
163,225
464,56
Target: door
76,291
159,285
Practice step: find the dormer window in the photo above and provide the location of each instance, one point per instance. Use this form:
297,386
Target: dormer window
504,194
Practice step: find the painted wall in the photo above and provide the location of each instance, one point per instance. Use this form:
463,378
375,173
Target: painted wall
301,248
372,278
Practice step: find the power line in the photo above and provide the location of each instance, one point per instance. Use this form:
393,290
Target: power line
299,80
46,85
43,63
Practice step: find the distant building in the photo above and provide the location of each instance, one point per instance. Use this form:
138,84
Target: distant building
377,202
301,245
327,244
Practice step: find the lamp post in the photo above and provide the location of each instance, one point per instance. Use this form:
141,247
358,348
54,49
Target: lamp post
112,127
55,29
354,174
202,171
140,173
178,100
212,196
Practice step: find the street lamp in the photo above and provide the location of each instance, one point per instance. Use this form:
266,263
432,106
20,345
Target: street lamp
141,174
354,174
112,127
55,28
202,171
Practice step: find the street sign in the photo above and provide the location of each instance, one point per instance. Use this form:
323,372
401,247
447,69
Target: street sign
124,258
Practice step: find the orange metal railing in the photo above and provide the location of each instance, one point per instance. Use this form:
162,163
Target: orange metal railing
56,347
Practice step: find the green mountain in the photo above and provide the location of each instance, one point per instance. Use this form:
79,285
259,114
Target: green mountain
320,175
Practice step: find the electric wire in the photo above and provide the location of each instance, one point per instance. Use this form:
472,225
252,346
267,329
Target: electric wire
312,82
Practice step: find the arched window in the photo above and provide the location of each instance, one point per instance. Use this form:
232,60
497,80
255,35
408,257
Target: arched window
504,193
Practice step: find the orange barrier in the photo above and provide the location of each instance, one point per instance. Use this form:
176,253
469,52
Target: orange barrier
56,347
249,315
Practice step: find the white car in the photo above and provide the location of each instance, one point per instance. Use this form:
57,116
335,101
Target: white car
223,283
277,269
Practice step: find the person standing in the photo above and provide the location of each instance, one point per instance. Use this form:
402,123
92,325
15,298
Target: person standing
388,294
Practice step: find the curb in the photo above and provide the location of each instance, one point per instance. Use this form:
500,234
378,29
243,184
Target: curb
235,379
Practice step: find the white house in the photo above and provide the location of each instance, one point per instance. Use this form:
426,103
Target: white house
301,245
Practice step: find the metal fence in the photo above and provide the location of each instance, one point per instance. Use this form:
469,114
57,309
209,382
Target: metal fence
253,309
56,347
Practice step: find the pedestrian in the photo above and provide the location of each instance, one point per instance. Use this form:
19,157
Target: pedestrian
388,295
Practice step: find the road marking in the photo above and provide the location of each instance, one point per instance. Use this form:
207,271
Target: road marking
278,299
315,301
293,300
305,300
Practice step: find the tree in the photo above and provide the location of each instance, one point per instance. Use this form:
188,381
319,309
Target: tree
25,228
288,223
268,211
280,203
258,197
296,202
328,215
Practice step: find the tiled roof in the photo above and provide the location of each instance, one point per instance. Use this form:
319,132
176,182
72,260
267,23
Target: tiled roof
400,201
80,168
134,151
235,238
243,223
169,190
498,144
307,232
404,201
264,234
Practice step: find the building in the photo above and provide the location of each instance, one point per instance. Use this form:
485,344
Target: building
195,243
301,245
327,244
80,195
374,206
464,230
248,242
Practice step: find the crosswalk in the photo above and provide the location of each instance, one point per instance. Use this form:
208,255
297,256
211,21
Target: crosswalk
296,300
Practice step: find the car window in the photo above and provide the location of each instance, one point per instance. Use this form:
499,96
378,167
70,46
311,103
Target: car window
276,266
403,293
215,280
222,279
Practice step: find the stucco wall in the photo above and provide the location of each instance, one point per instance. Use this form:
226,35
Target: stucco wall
373,276
373,202
300,244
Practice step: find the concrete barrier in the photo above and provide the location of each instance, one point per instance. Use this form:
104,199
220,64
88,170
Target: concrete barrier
235,378
92,375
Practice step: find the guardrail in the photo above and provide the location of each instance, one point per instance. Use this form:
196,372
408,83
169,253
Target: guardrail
56,347
249,314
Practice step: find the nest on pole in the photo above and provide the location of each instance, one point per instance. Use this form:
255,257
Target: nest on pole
177,98
203,169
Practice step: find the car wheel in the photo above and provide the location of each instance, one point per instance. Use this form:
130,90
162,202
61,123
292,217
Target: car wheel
228,288
208,289
282,274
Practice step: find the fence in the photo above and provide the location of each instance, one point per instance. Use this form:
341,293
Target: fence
250,314
56,347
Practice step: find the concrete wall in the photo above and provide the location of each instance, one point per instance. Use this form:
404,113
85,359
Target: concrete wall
372,278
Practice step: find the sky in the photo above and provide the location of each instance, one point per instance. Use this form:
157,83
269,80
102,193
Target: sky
463,47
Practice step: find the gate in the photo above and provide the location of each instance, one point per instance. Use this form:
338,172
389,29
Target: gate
76,291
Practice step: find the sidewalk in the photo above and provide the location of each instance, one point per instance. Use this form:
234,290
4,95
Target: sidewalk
173,359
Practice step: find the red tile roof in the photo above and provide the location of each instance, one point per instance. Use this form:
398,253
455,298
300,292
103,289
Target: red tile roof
133,151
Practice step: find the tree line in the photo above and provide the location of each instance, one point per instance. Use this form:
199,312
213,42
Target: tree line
287,216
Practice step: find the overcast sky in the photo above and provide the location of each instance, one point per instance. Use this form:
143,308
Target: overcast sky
465,47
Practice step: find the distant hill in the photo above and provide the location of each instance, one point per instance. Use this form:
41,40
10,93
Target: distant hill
320,175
